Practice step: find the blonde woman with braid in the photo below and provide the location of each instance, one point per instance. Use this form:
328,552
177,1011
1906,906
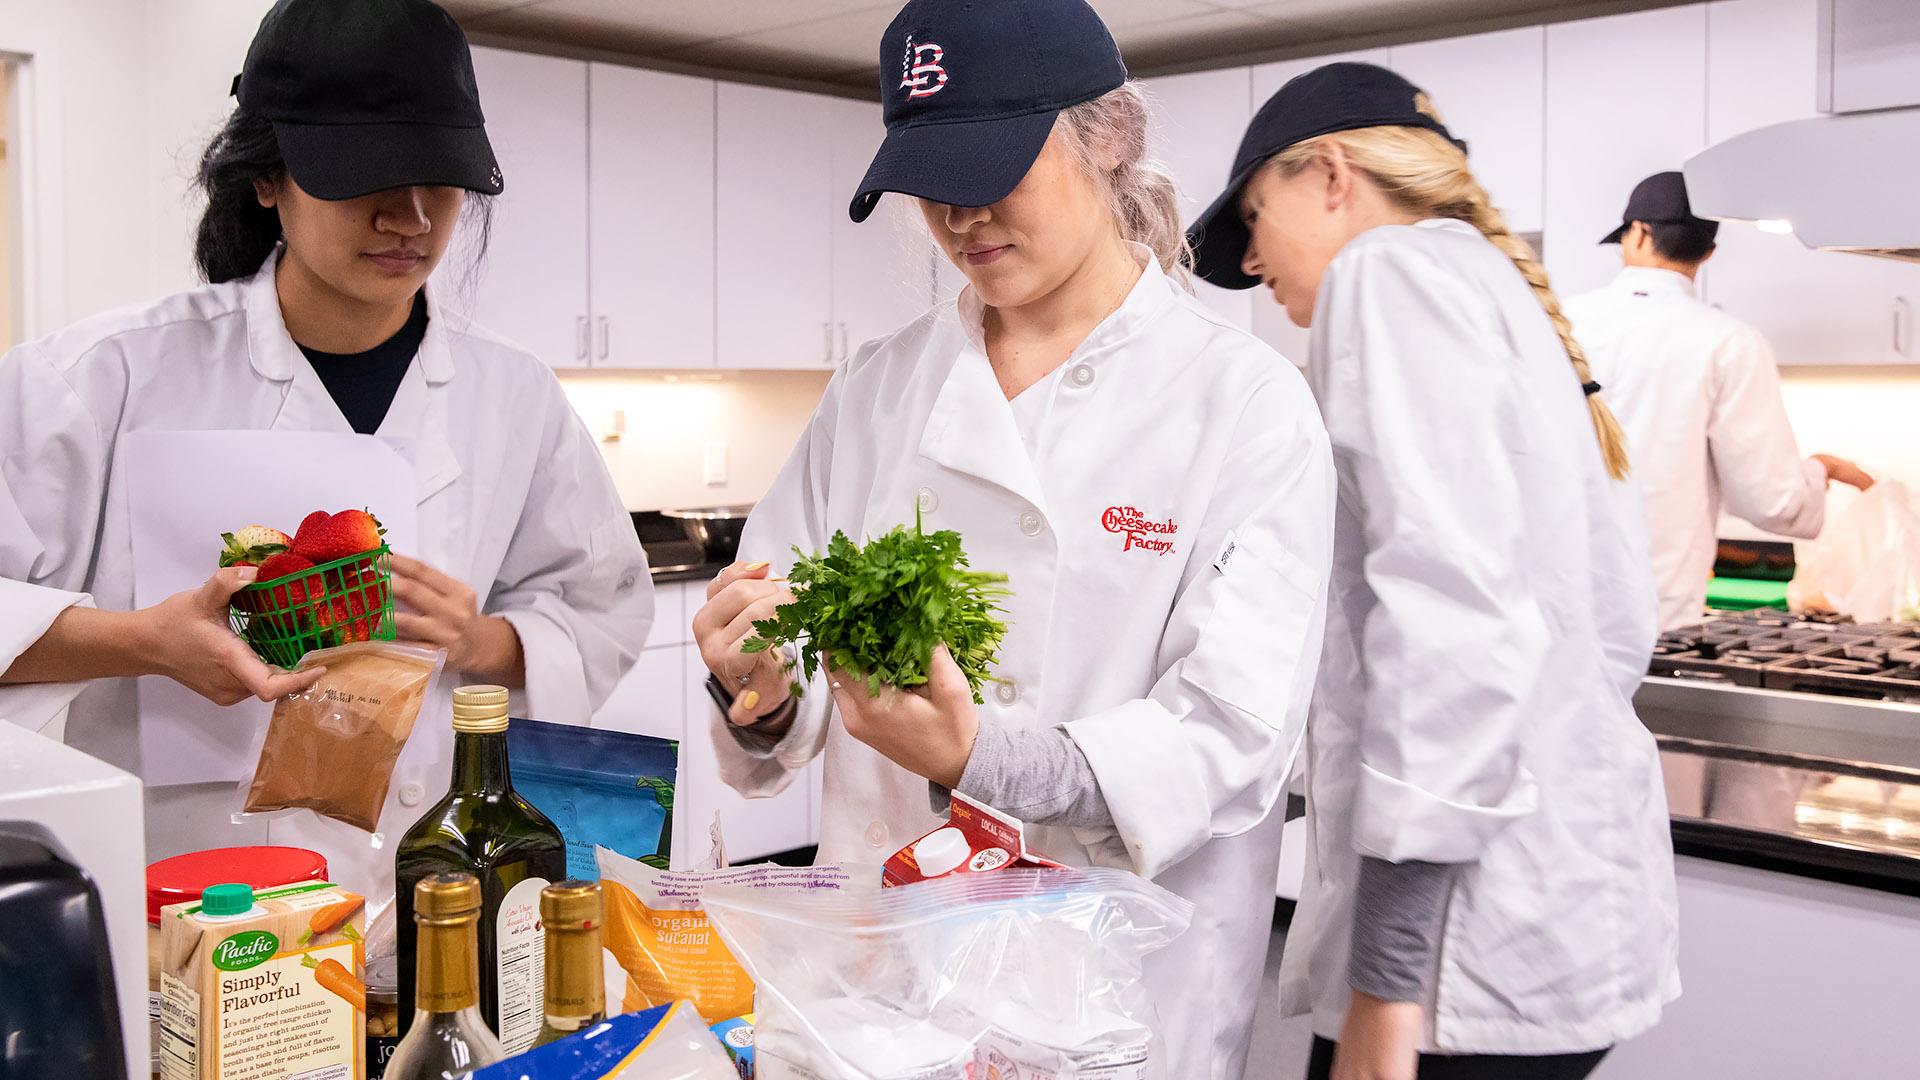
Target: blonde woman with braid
1490,886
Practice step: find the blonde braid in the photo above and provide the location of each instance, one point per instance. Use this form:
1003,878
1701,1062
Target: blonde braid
1425,174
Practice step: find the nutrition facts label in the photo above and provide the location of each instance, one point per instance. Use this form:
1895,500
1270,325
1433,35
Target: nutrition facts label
522,965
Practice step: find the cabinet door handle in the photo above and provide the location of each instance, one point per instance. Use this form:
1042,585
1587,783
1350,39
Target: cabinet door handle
580,338
841,356
606,338
1902,326
826,331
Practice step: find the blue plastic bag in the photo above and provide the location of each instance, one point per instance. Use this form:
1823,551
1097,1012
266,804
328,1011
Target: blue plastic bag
668,1042
605,788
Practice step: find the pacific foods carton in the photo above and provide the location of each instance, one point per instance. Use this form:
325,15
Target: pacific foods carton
272,991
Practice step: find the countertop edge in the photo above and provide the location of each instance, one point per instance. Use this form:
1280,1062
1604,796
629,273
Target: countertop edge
1797,856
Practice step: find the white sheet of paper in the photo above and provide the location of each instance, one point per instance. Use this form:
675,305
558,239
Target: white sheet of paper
185,489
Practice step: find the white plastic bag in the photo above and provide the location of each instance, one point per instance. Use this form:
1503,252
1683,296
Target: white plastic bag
1018,973
1866,562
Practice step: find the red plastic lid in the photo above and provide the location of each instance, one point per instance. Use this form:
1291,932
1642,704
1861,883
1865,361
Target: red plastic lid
183,878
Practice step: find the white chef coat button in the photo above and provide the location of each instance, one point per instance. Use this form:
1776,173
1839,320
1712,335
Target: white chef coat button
1031,524
1006,693
411,794
1082,375
877,835
928,502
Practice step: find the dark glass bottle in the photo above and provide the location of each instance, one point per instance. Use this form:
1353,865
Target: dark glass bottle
484,828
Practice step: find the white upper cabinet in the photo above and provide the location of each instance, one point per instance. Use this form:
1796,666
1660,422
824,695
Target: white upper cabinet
652,233
532,285
1198,121
1815,307
773,240
1626,98
1488,90
883,266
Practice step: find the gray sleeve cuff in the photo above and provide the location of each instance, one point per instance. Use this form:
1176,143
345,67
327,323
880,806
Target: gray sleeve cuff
1038,775
1399,916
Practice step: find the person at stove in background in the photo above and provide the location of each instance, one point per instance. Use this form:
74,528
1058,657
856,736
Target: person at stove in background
332,191
1490,889
1697,393
1155,482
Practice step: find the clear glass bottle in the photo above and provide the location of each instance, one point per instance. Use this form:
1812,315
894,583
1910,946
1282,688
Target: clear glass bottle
576,989
448,1038
485,828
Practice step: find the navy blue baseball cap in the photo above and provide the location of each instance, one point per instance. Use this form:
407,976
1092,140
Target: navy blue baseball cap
970,89
1660,198
1336,97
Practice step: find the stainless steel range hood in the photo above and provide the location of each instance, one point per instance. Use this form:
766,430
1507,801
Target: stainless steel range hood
1844,181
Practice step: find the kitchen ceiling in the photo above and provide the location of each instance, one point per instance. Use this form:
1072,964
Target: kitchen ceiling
835,41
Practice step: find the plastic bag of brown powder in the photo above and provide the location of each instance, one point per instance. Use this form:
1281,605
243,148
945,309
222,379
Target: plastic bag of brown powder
331,748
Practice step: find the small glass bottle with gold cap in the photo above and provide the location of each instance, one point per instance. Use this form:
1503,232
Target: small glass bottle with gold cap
576,986
484,828
447,1039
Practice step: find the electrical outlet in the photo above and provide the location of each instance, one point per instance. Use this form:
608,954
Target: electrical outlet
715,466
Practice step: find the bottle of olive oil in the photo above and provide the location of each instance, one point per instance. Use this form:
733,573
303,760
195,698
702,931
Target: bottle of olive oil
447,1038
484,828
576,987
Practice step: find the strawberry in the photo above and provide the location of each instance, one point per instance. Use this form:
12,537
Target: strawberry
345,619
251,545
292,597
327,538
310,520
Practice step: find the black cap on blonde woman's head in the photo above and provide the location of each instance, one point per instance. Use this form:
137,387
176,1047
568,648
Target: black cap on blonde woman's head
1336,97
366,95
970,90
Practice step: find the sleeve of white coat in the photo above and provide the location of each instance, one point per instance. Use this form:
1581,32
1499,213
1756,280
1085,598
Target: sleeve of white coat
574,581
1455,638
53,471
1206,753
793,514
1762,477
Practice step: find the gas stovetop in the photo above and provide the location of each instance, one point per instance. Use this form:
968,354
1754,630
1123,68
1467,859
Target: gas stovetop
1778,651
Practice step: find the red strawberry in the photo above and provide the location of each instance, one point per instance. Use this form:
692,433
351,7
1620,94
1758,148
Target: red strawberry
345,619
327,538
293,596
251,545
309,521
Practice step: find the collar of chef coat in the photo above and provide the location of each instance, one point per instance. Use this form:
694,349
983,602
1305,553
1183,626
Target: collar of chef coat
972,427
418,413
1653,281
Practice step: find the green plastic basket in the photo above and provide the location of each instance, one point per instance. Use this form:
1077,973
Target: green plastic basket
331,604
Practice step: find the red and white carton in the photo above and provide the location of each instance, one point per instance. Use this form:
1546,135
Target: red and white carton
976,839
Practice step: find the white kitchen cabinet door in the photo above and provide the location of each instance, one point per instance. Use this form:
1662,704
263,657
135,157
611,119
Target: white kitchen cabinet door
1626,98
774,253
651,698
1198,121
652,239
531,286
883,266
1488,90
753,828
1270,322
1815,307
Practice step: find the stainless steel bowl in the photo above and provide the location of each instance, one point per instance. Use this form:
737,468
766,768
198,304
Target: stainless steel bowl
715,528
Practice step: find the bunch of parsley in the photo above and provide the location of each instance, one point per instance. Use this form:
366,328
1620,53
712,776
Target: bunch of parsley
881,610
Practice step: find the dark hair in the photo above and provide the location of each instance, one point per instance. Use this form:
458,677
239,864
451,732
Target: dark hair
236,234
1683,241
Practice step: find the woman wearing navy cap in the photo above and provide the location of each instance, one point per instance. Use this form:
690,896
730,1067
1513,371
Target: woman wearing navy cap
332,193
1490,888
1154,481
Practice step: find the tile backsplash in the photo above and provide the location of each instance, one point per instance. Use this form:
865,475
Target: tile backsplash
659,461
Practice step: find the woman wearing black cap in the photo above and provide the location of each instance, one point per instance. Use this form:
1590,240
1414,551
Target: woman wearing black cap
1493,888
333,191
1154,481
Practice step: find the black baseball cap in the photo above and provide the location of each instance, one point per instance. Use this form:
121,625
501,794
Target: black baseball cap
970,91
1336,97
1660,198
366,95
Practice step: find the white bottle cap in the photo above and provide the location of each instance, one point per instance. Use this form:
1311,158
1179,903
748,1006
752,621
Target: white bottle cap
941,852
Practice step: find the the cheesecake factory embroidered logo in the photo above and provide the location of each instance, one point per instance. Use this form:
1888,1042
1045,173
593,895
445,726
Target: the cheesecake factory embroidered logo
920,72
1141,532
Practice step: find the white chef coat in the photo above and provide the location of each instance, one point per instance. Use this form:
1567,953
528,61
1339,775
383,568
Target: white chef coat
514,500
1492,615
1699,397
1182,675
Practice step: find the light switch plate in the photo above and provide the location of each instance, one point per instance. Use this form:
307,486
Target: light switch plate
715,467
